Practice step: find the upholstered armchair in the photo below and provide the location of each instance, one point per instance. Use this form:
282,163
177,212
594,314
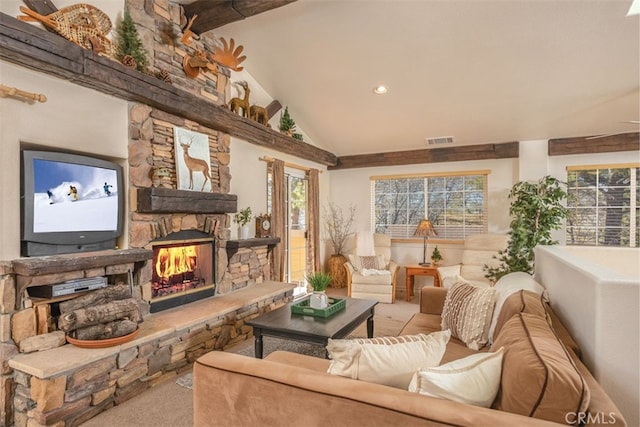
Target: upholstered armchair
479,250
372,277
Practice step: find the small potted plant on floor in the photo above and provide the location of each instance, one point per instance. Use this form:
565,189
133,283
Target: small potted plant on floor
319,282
242,218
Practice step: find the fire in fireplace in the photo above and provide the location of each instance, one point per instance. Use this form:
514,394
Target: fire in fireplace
183,269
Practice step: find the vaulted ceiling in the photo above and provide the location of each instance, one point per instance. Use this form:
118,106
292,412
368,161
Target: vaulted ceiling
479,71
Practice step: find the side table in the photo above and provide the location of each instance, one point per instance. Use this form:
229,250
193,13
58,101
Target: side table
420,270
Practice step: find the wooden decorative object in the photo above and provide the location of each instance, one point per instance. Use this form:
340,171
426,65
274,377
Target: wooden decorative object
263,226
193,64
83,24
227,56
259,114
187,34
6,91
237,104
335,265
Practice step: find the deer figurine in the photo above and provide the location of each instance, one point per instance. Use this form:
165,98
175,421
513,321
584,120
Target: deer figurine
194,164
259,114
235,104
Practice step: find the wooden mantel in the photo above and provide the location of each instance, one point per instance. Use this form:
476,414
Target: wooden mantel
169,200
234,245
29,46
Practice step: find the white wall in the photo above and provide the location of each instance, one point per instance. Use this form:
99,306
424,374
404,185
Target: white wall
353,186
73,118
599,307
249,177
248,172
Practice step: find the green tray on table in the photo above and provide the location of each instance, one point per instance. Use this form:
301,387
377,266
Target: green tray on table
303,307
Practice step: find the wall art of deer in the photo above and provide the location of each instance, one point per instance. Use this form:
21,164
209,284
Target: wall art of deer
194,164
235,104
259,114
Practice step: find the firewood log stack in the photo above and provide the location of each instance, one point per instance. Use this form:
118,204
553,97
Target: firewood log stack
110,312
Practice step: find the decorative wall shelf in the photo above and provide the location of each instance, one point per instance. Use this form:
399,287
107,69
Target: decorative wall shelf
27,45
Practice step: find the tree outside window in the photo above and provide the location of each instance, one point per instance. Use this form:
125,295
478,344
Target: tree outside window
455,204
603,202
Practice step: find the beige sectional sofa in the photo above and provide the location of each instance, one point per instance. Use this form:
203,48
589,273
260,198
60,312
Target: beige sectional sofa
543,381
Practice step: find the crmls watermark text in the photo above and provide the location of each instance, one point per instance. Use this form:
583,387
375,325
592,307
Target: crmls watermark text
586,418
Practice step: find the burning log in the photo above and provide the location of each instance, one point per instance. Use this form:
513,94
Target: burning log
114,310
98,297
104,331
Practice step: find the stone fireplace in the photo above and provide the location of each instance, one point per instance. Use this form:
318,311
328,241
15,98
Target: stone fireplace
183,269
45,381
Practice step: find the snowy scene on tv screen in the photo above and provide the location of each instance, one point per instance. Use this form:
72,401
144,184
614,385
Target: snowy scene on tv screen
71,197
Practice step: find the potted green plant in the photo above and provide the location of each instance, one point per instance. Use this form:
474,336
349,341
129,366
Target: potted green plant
242,218
319,282
536,209
436,257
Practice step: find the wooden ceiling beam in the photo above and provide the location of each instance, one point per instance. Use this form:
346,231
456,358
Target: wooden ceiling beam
31,47
591,145
216,13
503,150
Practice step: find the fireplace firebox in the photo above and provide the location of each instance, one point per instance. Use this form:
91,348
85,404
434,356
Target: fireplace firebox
183,269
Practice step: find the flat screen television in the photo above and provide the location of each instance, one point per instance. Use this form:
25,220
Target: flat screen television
70,203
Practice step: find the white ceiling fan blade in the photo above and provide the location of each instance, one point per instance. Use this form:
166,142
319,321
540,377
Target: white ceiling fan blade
633,122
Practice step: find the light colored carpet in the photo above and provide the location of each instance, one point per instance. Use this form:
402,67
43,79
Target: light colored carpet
170,403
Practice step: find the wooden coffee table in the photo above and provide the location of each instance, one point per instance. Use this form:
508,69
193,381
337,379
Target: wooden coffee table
282,323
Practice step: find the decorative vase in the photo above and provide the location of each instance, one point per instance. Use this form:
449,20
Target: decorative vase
335,265
244,232
318,300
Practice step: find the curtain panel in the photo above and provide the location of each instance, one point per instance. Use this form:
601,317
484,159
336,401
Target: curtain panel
278,218
313,204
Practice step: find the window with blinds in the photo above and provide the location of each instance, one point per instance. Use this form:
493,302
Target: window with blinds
603,203
456,204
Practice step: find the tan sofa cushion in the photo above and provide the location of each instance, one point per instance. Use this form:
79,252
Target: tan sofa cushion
467,313
520,302
387,364
539,378
508,285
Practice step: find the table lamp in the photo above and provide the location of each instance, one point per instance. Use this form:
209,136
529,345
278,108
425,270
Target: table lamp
425,229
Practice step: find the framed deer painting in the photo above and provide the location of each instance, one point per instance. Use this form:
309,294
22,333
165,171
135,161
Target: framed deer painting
193,164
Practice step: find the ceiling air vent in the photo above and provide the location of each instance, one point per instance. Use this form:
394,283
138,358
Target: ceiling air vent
440,140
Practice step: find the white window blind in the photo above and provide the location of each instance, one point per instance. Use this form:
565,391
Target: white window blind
603,205
456,204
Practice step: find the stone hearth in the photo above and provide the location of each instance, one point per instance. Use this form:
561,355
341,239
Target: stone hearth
69,385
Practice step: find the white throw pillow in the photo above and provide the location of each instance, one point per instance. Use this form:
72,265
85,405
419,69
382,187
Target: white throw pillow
467,312
388,364
473,380
508,285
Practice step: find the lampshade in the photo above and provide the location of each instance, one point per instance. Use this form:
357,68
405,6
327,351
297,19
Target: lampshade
425,229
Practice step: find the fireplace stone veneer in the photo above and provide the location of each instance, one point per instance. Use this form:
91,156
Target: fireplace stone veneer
69,385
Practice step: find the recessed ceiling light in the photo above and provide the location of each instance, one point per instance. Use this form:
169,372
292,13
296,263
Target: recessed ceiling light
380,90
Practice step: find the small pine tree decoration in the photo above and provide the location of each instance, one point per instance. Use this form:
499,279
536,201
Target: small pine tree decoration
130,45
436,257
288,126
